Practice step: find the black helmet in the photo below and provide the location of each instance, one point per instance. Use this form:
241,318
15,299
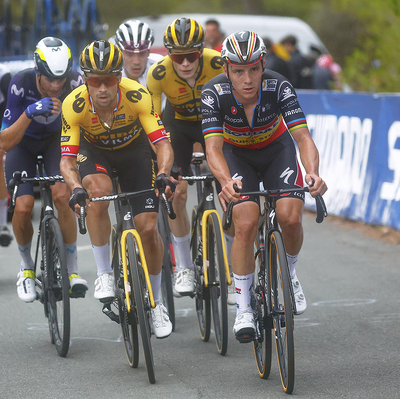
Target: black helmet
184,34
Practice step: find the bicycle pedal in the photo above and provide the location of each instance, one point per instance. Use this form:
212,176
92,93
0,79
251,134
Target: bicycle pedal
107,300
245,335
77,294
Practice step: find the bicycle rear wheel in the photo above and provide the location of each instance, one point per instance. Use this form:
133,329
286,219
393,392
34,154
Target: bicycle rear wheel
127,320
56,286
282,309
218,286
167,268
202,294
262,345
142,301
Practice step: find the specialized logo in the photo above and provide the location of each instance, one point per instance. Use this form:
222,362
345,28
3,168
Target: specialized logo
286,174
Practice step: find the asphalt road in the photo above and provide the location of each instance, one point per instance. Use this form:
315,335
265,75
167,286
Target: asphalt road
346,343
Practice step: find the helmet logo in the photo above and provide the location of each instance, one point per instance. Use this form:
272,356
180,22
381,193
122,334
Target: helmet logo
55,49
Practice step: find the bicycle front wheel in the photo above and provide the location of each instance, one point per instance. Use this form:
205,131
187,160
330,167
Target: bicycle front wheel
282,309
202,293
217,282
142,301
262,344
127,320
167,267
56,286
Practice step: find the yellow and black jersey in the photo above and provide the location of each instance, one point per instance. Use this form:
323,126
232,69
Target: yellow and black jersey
185,100
134,117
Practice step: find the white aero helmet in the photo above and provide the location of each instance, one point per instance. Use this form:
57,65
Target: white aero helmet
135,36
243,48
53,58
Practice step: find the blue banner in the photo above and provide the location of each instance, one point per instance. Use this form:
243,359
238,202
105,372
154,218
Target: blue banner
358,138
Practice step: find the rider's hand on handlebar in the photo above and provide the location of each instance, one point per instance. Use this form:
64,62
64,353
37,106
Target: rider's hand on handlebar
79,195
166,183
315,184
229,193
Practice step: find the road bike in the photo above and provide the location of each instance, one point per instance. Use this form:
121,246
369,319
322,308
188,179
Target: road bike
133,292
53,282
272,298
208,251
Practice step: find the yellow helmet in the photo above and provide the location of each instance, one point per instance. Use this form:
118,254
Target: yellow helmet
101,57
184,34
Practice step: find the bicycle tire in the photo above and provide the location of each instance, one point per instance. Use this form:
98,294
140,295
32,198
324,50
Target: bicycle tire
282,309
56,286
127,320
142,302
262,345
167,267
217,282
202,293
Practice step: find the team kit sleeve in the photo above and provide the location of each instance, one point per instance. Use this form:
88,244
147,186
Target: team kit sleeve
212,122
154,86
150,119
291,110
70,132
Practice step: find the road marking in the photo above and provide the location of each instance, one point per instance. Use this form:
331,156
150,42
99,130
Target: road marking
386,317
345,302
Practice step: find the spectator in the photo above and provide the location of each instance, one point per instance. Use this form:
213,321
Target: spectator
274,62
326,74
5,235
214,37
297,63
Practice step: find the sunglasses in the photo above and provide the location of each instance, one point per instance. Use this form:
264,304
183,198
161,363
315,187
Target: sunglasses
179,58
108,81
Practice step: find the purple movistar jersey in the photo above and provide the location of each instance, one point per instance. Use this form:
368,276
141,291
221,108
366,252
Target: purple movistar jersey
23,92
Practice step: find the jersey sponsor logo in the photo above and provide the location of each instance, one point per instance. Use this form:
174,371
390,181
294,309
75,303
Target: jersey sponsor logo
208,100
64,139
65,124
216,62
149,203
234,110
100,168
7,114
182,90
81,158
160,122
233,120
188,109
119,117
78,105
69,150
159,72
135,96
76,83
269,84
293,111
223,88
95,120
16,91
208,120
243,197
286,93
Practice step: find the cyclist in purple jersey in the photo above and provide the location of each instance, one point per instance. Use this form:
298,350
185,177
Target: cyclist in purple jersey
249,119
32,126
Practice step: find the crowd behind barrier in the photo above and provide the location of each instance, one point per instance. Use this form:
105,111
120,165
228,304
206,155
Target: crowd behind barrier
358,137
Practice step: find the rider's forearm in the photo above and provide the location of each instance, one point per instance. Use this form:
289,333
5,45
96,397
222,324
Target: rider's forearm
12,135
308,151
165,156
70,172
217,164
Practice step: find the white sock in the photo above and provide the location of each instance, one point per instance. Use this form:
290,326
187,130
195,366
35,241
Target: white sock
243,286
3,211
228,244
102,258
292,260
155,280
183,249
25,252
72,258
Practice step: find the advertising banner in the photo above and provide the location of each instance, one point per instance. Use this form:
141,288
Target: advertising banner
358,138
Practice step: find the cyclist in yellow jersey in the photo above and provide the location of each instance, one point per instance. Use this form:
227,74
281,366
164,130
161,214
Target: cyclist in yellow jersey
181,76
110,121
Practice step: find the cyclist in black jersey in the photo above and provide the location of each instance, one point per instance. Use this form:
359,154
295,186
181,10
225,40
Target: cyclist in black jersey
247,117
31,126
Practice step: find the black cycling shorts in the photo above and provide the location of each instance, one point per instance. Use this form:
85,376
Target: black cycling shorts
23,158
133,165
183,135
275,165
